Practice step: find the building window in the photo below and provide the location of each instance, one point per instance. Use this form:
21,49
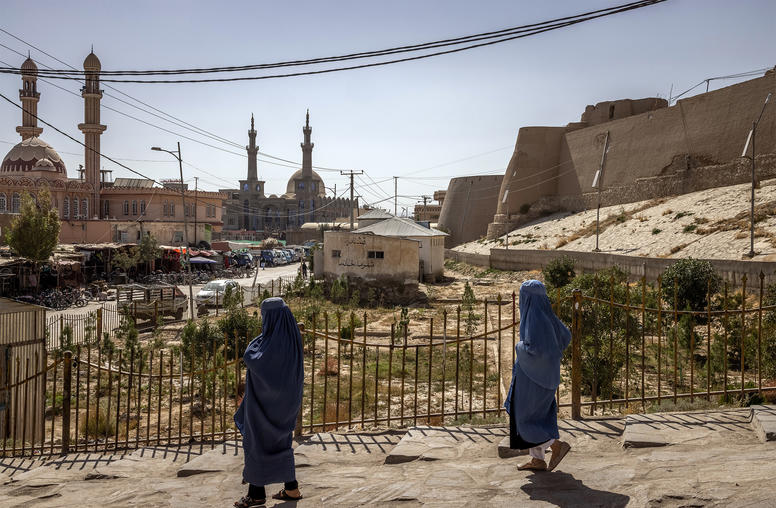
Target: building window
178,237
16,203
134,207
165,209
126,207
2,203
611,111
142,207
336,253
75,208
301,204
172,209
85,209
312,185
66,208
186,210
375,254
106,208
301,185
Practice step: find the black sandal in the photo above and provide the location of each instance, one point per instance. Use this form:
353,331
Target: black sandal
247,502
283,496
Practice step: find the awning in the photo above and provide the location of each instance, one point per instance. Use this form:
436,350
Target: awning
199,259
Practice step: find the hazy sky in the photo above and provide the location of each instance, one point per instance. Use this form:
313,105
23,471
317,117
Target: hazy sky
412,119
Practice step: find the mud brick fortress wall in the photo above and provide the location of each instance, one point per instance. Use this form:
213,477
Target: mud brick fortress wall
654,151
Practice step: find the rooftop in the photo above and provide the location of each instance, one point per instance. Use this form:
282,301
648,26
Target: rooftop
398,226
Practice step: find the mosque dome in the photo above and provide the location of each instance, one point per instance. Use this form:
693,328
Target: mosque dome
92,63
317,181
29,68
33,155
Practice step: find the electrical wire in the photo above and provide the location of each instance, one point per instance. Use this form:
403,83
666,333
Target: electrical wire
182,123
491,38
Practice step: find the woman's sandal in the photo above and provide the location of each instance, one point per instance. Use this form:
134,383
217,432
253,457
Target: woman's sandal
247,502
533,465
283,496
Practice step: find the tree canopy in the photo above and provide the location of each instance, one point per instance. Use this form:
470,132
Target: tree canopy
34,233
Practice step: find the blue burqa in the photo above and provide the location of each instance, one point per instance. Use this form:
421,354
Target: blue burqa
536,374
273,395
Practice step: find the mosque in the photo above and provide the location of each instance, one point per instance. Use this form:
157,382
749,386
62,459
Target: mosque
250,212
93,209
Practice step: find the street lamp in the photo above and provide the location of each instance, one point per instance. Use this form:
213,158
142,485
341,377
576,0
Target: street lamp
751,138
177,155
598,182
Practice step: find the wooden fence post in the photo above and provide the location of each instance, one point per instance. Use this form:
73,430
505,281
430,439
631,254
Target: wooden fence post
576,361
66,392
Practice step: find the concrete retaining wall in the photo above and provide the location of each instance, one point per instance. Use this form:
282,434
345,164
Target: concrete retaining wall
731,270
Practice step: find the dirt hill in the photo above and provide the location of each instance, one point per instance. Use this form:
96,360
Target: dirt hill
713,224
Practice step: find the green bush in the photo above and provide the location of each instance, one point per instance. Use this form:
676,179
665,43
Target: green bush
692,279
559,272
99,424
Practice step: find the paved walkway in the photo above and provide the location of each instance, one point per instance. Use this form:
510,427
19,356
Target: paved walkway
723,463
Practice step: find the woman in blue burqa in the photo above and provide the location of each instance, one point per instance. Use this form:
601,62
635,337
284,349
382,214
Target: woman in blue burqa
533,420
273,395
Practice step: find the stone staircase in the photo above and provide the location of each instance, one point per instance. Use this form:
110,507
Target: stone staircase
710,458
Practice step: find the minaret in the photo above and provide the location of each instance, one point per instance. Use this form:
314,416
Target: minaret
92,128
29,96
252,149
307,151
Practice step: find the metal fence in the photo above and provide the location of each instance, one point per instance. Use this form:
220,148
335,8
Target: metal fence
631,347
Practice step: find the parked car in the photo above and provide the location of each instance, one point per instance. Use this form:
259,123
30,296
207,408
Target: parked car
213,292
289,255
280,257
152,301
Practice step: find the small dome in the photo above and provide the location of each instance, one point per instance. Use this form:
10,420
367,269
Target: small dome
92,63
44,165
33,154
291,187
29,68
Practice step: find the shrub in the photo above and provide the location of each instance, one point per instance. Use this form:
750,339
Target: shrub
99,424
693,279
524,208
656,231
559,272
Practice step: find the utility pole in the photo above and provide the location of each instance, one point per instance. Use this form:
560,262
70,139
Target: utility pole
196,181
751,138
185,221
598,183
395,196
352,199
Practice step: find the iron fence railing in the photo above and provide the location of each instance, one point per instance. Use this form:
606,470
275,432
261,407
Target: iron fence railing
631,348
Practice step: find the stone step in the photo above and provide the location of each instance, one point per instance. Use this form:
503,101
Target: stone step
445,443
764,422
664,429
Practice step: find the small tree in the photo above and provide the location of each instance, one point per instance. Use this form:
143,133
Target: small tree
34,233
694,278
148,250
468,301
126,259
559,272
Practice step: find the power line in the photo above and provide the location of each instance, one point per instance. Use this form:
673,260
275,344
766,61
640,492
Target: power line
500,36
